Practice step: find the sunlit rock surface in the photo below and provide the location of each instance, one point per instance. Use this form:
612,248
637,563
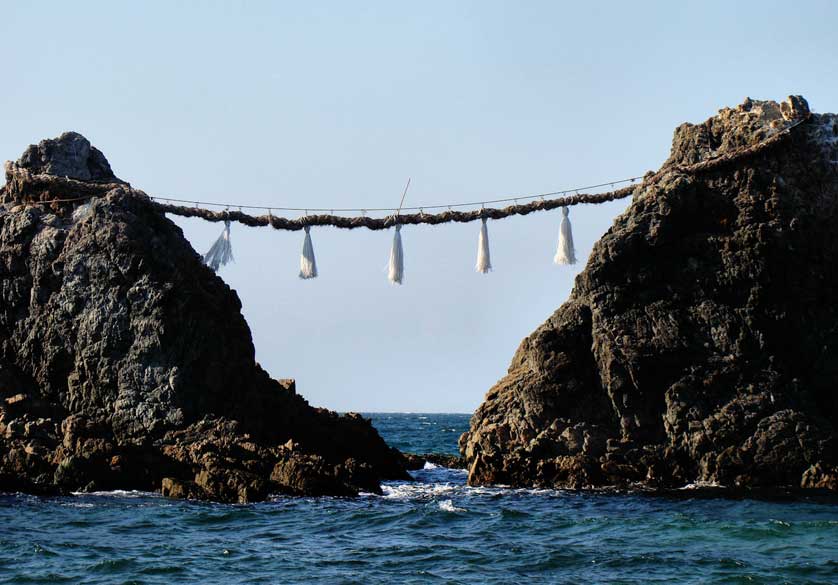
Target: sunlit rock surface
700,343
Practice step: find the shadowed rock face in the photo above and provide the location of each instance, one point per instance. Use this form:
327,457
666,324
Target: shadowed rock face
125,362
699,343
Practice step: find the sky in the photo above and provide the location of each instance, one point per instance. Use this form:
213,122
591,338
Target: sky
337,104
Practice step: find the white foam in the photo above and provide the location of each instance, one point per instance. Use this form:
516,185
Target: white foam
120,494
419,490
698,484
443,483
448,506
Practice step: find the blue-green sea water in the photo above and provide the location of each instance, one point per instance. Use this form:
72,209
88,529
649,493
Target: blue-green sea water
433,530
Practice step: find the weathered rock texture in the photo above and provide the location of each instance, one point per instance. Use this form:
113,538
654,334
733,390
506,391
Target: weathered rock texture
700,343
126,363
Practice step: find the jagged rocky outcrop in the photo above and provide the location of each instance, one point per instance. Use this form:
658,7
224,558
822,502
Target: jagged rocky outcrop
700,343
126,363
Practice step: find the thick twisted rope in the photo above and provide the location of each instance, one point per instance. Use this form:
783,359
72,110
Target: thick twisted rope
92,189
449,216
284,223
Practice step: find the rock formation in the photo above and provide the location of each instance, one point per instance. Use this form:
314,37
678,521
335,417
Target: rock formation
126,363
700,343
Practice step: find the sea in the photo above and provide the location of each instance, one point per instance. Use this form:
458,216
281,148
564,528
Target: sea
434,529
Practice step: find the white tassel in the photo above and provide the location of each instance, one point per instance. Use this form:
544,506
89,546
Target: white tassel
396,273
484,261
221,252
308,265
565,254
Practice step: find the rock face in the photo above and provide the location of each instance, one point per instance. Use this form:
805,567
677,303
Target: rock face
126,363
700,343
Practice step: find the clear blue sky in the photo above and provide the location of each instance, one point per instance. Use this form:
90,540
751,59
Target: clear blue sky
336,104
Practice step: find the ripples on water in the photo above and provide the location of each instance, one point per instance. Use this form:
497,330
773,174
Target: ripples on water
434,530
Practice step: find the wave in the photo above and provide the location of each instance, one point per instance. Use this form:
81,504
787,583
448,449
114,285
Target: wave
701,485
120,494
434,482
448,506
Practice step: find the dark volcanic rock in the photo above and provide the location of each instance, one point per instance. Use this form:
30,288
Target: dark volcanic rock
126,363
70,155
699,343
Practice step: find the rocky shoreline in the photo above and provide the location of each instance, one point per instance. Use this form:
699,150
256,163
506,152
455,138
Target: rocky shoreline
700,343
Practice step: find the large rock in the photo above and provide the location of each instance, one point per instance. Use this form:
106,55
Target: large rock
125,361
700,343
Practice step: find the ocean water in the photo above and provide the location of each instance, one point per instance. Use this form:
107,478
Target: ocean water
433,530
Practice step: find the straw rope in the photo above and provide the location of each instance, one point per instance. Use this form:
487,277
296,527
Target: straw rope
449,216
540,202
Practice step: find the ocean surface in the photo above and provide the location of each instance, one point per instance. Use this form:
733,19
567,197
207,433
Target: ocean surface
433,530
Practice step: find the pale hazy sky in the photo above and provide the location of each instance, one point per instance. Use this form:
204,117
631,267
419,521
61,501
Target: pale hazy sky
327,104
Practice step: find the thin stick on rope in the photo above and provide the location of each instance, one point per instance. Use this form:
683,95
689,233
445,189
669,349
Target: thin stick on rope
406,187
401,203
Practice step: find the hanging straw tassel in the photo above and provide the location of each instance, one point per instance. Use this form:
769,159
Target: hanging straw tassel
396,273
221,252
484,261
565,254
308,265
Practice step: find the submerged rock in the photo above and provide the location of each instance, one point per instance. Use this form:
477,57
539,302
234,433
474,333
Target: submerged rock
700,343
125,362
